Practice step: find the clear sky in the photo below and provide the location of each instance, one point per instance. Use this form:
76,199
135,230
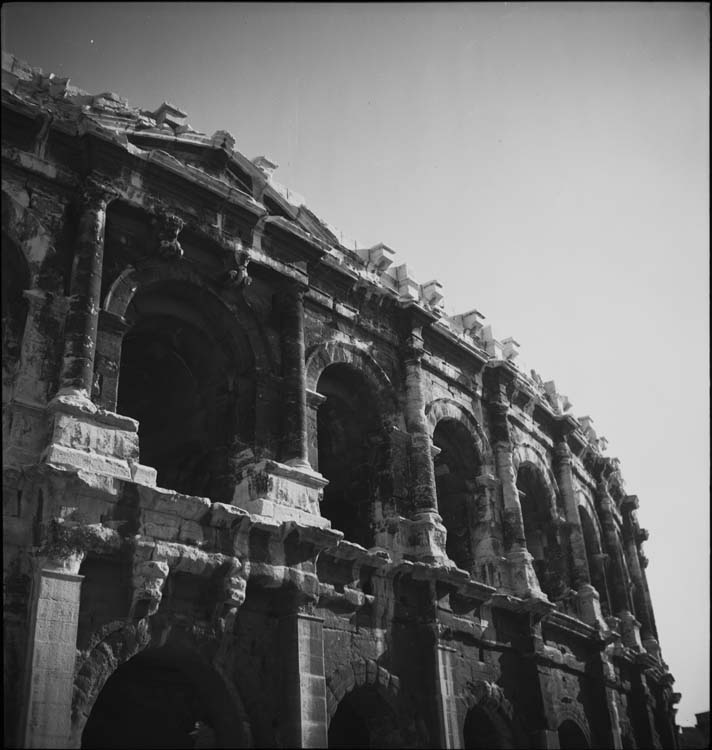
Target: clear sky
548,163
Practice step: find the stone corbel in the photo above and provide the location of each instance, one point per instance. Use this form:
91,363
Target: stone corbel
234,587
168,227
149,578
238,277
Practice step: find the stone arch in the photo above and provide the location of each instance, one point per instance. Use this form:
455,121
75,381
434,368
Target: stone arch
133,280
457,465
447,408
547,538
488,698
352,410
365,676
163,321
573,730
593,544
526,453
321,356
118,644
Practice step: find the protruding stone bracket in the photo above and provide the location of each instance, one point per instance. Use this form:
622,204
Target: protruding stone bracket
149,577
168,227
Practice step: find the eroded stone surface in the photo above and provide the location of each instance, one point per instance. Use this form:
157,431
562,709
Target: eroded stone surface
261,482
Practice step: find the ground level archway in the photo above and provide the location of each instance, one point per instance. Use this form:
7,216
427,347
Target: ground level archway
365,719
571,736
163,698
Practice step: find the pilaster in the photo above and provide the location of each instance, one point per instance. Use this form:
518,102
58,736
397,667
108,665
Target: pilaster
304,684
447,707
52,652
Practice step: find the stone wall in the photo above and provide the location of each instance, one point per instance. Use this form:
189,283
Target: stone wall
260,491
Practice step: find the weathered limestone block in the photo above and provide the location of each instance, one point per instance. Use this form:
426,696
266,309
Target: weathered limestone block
149,577
421,538
24,433
94,440
53,637
281,493
302,639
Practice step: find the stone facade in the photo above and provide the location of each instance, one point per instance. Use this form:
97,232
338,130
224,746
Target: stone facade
260,491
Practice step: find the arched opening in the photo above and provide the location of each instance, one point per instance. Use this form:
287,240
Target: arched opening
456,467
571,737
365,719
15,279
480,732
193,397
543,533
596,565
351,451
162,698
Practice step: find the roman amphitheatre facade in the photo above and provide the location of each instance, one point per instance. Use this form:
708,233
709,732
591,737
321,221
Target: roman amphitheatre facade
259,490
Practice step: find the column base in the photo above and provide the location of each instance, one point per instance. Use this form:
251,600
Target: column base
87,438
423,538
522,578
652,646
589,603
630,631
281,493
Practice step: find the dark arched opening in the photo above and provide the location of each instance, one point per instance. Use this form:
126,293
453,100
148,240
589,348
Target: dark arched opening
163,699
480,732
456,468
15,279
192,396
364,719
545,540
351,451
596,560
571,737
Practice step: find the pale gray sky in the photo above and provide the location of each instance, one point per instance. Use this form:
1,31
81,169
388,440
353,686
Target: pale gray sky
547,162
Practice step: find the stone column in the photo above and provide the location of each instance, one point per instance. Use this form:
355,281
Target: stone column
426,524
617,580
304,684
588,597
447,707
294,446
423,472
523,580
80,330
641,596
52,653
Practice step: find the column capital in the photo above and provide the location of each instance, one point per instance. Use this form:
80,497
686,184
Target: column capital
414,348
562,452
96,194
